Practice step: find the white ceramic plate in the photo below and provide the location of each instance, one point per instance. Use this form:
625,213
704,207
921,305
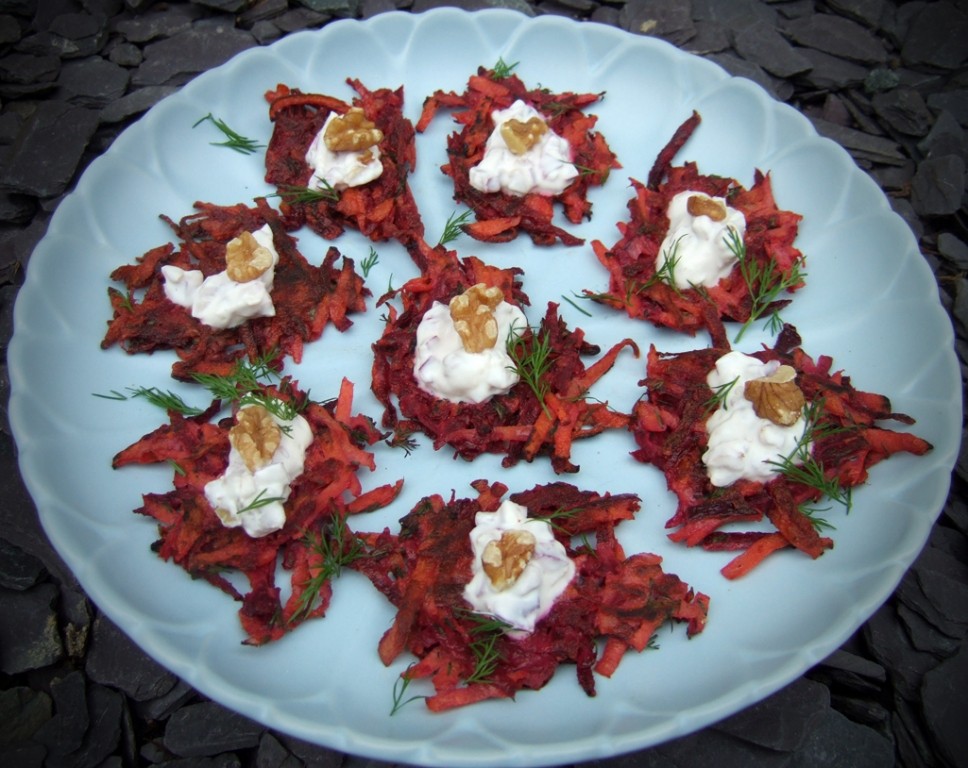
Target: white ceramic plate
871,303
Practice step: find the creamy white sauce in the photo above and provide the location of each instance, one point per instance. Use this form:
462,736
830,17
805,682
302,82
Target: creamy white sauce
543,580
546,168
219,301
698,245
233,493
443,368
741,443
340,169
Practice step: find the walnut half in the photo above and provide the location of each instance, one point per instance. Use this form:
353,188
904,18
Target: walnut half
505,559
351,132
245,259
473,314
255,436
700,205
521,136
776,397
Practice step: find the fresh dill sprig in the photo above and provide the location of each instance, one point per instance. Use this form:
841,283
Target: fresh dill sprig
245,385
503,69
575,304
486,633
800,465
399,689
559,514
720,395
452,229
764,282
371,260
667,272
531,361
336,551
167,400
294,194
233,140
261,500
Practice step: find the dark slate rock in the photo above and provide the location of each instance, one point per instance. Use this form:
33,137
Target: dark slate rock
101,739
913,747
829,72
794,9
733,14
157,24
890,645
83,33
195,50
837,36
779,89
954,250
903,208
160,707
894,177
10,124
710,37
939,185
312,755
667,19
781,722
93,82
904,110
761,44
954,101
946,137
64,732
16,209
134,103
863,710
10,31
867,12
28,629
207,728
226,6
75,613
937,37
125,54
265,32
297,19
23,711
924,635
839,743
875,147
23,755
272,754
19,570
333,7
116,661
945,701
25,73
49,149
707,747
263,10
881,79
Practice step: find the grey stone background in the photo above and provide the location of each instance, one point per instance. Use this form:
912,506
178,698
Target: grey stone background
887,80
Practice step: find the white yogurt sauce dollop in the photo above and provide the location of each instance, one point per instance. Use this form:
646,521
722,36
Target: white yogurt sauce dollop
546,168
698,245
341,169
443,368
232,494
741,444
218,301
543,580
